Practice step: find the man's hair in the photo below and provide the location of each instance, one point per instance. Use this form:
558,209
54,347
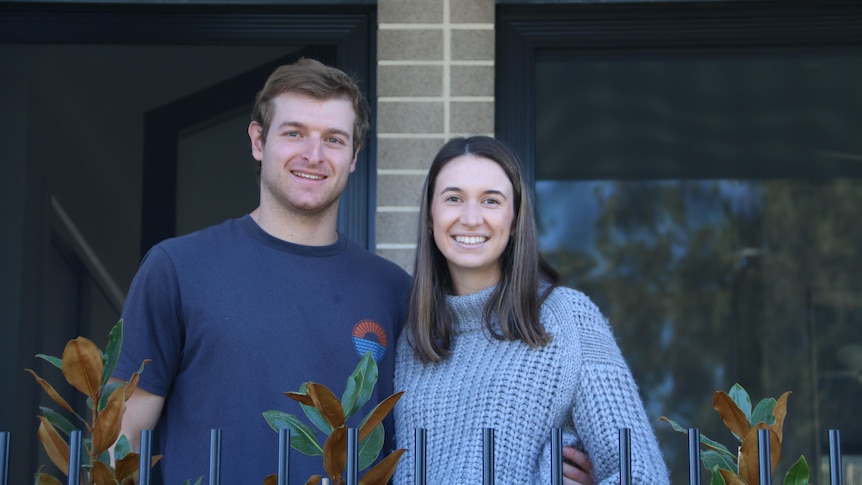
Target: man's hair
515,300
312,78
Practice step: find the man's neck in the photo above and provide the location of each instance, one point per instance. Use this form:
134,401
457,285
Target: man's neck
307,230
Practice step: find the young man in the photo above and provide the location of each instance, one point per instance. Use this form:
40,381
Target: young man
235,315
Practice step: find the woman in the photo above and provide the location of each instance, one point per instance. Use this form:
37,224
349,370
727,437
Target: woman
492,340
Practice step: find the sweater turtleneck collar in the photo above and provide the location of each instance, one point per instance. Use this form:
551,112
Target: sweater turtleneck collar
466,311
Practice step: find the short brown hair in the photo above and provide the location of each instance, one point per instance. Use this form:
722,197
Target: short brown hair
310,77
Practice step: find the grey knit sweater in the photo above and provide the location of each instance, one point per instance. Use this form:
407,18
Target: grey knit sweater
579,382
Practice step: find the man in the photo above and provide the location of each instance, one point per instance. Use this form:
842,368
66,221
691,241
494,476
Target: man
235,315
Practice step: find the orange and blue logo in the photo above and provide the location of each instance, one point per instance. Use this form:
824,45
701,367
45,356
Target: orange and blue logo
368,335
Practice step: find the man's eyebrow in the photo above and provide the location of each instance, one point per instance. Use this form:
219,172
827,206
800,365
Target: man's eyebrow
299,124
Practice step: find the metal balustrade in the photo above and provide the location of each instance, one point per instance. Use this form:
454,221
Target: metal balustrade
556,478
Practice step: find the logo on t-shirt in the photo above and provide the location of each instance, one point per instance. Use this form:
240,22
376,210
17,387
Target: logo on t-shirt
368,335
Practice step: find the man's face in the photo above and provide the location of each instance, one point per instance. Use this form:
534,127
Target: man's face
308,154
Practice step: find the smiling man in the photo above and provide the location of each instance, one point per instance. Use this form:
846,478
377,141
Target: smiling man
235,315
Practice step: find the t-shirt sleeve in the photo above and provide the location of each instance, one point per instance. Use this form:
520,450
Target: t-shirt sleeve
152,324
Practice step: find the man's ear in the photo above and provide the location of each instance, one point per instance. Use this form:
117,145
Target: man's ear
255,135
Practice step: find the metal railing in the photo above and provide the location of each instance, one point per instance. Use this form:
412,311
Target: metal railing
556,478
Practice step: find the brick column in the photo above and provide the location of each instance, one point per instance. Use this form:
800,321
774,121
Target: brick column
435,80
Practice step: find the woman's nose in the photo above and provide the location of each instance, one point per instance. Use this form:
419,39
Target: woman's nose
471,215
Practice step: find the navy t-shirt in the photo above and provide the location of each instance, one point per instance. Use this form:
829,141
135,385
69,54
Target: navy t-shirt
232,318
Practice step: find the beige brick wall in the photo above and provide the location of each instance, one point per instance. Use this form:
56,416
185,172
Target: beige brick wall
435,80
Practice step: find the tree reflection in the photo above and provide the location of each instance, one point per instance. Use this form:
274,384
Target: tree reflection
708,283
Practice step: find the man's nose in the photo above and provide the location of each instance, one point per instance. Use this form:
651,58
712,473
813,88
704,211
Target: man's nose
312,152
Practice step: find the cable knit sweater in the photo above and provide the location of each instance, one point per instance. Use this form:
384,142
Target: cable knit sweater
579,382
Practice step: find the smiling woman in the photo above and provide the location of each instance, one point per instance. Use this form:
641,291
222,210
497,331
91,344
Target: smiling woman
479,274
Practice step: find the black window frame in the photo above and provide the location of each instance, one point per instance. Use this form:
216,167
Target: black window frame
524,31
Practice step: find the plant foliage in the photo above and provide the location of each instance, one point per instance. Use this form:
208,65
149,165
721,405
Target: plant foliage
88,369
742,467
330,415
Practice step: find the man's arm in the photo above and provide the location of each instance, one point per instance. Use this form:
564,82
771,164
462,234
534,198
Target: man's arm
143,410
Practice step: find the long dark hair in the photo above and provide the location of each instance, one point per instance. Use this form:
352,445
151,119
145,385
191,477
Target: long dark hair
515,300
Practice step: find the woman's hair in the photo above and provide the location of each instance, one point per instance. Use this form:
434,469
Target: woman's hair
309,77
515,299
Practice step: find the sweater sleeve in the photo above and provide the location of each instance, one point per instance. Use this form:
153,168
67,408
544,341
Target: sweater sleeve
606,400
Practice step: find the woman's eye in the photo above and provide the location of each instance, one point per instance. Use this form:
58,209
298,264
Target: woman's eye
492,202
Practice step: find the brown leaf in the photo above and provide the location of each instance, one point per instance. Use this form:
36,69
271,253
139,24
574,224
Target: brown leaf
314,480
101,474
48,480
82,366
380,473
271,479
732,416
780,413
302,398
133,381
54,444
106,428
49,389
731,478
380,412
335,453
126,466
326,402
749,455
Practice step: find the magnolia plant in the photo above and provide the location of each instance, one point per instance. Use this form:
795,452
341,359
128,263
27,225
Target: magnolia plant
330,415
741,467
88,369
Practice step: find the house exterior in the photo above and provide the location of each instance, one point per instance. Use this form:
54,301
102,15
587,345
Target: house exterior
697,169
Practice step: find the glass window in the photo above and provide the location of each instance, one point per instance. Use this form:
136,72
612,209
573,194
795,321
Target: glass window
709,203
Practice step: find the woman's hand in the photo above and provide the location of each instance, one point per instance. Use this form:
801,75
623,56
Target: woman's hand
577,467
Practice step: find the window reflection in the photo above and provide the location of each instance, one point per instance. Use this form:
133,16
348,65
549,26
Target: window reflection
711,282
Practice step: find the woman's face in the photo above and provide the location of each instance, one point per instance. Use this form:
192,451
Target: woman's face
472,212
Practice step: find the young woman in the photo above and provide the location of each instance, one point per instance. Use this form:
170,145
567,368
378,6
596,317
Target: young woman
492,340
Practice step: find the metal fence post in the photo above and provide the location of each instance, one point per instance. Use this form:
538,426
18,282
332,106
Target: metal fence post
694,456
836,470
215,457
420,440
5,440
145,458
488,456
625,456
74,458
283,455
763,454
352,456
556,456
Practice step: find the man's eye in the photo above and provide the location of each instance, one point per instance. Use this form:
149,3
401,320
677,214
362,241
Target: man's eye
292,134
333,139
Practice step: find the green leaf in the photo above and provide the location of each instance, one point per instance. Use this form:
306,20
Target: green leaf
369,448
764,412
712,460
717,479
302,437
122,448
58,421
313,414
798,473
359,385
704,440
741,398
56,362
112,351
